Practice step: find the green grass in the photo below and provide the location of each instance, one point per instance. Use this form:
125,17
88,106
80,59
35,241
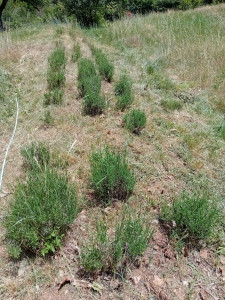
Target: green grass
171,104
196,216
106,69
111,176
135,120
36,157
76,54
116,253
93,104
43,208
123,91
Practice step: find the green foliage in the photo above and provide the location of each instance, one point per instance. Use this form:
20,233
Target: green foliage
195,216
220,130
106,69
135,120
110,175
90,85
48,119
54,96
123,92
86,69
93,104
171,104
76,53
113,253
56,76
43,208
36,157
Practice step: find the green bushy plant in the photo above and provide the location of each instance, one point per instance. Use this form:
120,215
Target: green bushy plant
90,85
114,253
123,92
86,68
110,175
88,80
106,69
54,96
56,76
171,104
57,59
93,104
43,208
48,119
195,216
76,53
56,79
220,130
135,120
36,157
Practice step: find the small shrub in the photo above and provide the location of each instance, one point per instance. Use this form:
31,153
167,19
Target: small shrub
106,69
56,79
48,119
54,97
123,92
150,68
114,253
36,157
110,175
86,69
57,59
43,208
93,103
90,85
135,120
171,104
195,216
76,53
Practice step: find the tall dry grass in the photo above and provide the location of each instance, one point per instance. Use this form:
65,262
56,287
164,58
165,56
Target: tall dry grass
189,45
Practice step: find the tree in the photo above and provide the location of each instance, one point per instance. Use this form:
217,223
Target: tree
35,3
2,7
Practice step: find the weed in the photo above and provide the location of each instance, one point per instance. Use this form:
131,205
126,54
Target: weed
93,103
195,216
135,120
36,157
106,69
171,104
43,208
110,175
123,92
76,53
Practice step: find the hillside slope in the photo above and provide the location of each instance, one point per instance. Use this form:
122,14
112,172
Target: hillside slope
176,63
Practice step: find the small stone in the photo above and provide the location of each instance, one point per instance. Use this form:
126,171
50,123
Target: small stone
204,253
135,279
157,281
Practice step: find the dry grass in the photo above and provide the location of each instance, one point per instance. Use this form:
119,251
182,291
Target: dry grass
177,150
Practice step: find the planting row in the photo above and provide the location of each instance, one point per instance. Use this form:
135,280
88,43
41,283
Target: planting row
46,203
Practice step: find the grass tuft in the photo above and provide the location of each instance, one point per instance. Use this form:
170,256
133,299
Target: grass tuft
195,217
135,120
106,69
116,252
123,92
110,175
43,208
76,53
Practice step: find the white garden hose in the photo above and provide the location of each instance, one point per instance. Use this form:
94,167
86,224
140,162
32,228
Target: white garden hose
10,142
